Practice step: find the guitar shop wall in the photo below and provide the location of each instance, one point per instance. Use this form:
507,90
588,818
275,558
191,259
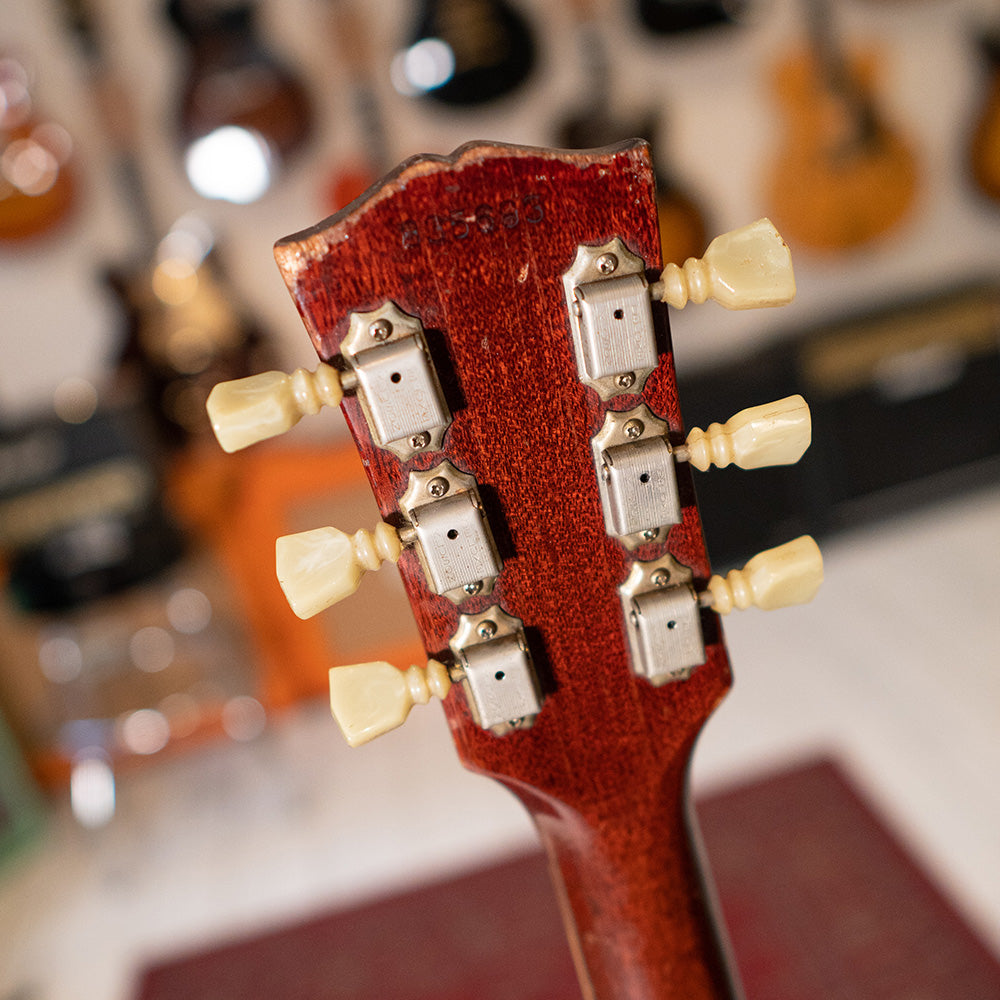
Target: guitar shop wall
152,153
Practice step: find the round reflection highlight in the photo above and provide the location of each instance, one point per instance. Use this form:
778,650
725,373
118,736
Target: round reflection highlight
231,164
145,732
423,66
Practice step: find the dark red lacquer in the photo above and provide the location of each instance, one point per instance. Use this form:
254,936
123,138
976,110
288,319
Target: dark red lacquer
475,245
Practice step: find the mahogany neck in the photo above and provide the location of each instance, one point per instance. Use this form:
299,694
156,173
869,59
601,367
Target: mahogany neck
639,915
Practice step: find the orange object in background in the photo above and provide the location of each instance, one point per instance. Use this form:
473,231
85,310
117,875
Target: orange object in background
238,505
843,175
37,186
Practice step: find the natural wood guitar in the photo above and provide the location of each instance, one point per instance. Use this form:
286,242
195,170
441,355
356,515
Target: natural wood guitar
843,175
239,103
38,182
492,325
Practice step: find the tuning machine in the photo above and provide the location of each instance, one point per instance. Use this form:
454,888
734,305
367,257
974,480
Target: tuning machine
446,525
389,368
247,410
608,298
662,607
497,673
635,460
451,533
370,699
492,664
397,384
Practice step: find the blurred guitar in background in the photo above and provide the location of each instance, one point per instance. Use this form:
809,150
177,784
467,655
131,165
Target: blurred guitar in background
683,229
844,175
672,17
464,53
243,113
37,180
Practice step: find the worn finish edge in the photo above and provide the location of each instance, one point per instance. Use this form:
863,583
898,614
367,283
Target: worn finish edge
295,252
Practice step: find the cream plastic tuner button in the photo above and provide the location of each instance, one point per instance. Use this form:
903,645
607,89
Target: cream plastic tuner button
744,269
775,433
369,699
775,578
320,567
262,406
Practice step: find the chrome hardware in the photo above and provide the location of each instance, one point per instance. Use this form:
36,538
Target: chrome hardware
607,263
452,535
396,381
635,460
380,330
498,676
662,620
641,487
611,318
636,478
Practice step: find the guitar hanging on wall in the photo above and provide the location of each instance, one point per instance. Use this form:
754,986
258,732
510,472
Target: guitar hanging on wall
844,174
490,323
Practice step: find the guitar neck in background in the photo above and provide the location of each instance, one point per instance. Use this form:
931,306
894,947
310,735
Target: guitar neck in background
594,122
351,44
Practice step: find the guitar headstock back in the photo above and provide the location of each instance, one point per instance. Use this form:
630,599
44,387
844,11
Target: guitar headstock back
487,321
475,246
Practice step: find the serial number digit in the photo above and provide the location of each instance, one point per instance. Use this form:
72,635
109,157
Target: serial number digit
533,203
409,234
437,231
484,219
459,225
508,214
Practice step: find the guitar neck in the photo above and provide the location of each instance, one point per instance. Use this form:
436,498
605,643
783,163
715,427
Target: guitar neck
638,913
835,72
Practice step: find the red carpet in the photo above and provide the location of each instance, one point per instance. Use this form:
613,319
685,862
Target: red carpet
821,904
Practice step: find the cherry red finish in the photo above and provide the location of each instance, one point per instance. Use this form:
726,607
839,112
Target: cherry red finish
474,245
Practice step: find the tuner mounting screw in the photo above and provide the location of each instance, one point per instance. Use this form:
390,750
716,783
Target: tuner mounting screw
421,440
607,263
380,330
473,588
660,578
649,534
633,428
486,629
625,381
438,486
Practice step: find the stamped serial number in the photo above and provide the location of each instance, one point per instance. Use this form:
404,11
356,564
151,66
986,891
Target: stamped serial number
462,224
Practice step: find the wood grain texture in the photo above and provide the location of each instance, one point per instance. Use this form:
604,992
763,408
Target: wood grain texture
475,245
